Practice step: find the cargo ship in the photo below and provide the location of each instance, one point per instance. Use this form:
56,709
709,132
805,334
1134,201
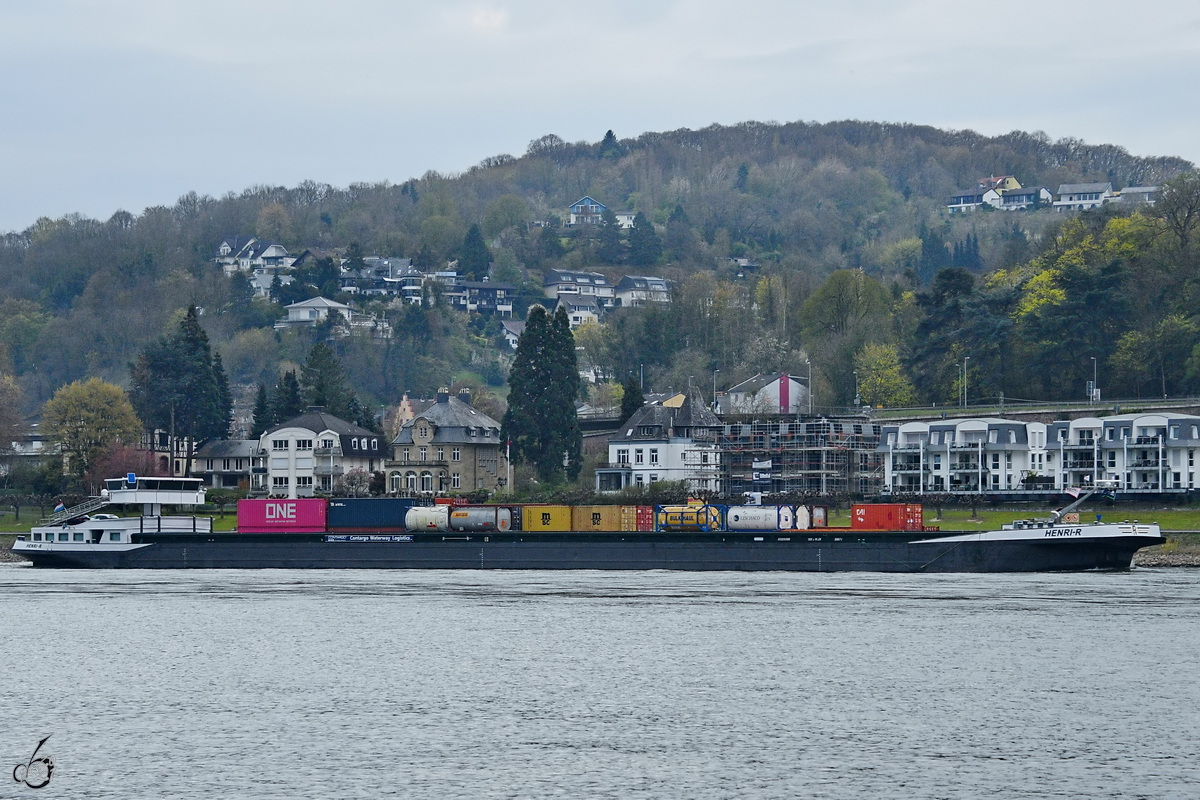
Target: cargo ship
314,533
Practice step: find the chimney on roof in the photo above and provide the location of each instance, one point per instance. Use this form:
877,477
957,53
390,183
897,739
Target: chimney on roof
443,395
464,394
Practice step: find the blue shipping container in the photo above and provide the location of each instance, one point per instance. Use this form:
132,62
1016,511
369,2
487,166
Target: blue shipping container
367,514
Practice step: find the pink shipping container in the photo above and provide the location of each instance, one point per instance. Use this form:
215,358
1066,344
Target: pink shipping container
302,515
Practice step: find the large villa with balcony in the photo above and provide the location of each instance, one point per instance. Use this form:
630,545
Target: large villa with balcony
1129,453
313,452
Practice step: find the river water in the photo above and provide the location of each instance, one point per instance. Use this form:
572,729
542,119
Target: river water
291,684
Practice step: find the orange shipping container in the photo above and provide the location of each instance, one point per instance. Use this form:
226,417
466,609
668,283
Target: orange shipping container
546,518
596,518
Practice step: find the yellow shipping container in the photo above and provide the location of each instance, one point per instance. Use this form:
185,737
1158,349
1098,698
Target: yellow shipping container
546,518
629,518
596,518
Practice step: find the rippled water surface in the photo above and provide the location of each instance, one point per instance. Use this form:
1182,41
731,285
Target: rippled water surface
281,684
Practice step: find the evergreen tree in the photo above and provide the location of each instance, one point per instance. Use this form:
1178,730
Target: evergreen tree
177,388
679,242
611,247
565,420
424,258
550,244
224,396
631,400
645,246
544,381
475,258
610,147
262,413
935,256
286,401
324,382
354,257
742,174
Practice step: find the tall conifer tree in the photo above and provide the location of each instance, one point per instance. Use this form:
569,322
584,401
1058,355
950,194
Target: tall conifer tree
180,387
475,258
262,413
540,422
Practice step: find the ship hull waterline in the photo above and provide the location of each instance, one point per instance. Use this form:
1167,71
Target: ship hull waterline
593,551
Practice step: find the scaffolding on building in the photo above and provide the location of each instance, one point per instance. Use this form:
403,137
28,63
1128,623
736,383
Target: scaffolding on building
818,457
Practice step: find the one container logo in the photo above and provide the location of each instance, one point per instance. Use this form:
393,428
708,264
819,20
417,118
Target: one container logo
282,511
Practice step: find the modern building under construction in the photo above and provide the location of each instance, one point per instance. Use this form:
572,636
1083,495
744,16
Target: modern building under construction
819,456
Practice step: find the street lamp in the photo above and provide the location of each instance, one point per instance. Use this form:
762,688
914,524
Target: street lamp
810,386
965,366
857,399
1095,387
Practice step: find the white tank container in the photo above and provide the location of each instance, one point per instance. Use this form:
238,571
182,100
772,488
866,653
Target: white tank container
820,517
427,518
480,518
758,518
803,519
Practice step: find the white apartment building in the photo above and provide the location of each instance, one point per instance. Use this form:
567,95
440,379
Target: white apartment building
664,443
1134,453
314,452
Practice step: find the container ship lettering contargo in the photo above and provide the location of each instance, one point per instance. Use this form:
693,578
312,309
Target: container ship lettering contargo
312,533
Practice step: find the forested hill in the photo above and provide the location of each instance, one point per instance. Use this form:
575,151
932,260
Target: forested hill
799,200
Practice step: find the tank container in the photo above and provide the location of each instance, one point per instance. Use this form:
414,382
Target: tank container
480,518
427,518
758,518
687,518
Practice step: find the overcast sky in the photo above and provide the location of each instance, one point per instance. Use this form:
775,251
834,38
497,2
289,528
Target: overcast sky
126,104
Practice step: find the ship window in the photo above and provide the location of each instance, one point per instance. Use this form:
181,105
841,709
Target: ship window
37,537
62,537
79,536
114,536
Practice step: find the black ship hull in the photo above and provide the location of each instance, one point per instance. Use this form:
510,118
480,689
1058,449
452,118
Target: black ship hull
794,552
